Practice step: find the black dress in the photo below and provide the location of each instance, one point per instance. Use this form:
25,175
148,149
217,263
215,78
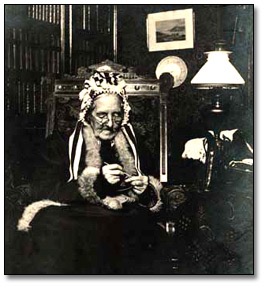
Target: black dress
81,238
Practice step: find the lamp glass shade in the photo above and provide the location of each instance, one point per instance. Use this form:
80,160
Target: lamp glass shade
218,72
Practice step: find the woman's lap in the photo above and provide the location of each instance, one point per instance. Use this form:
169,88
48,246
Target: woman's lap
88,239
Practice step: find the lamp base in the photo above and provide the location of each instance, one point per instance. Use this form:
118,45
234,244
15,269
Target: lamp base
214,161
214,118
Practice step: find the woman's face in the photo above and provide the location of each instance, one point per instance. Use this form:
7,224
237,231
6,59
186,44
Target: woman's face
106,116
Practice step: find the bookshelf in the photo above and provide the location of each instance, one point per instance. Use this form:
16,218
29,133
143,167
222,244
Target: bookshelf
92,35
32,56
45,42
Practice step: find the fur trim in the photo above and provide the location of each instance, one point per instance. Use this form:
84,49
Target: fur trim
157,207
117,202
93,162
86,184
157,187
92,158
30,212
122,147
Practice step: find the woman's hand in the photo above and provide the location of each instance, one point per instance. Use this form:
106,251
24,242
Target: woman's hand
112,173
139,183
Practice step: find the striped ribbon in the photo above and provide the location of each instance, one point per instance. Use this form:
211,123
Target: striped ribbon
75,150
76,142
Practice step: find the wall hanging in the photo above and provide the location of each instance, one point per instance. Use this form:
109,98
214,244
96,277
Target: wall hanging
170,30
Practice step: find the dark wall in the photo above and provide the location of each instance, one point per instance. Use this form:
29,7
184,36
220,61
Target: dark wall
238,29
133,49
184,102
234,24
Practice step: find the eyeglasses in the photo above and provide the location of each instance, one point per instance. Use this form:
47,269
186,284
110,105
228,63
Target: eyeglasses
103,118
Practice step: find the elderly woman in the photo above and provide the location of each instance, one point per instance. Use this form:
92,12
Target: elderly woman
111,165
94,207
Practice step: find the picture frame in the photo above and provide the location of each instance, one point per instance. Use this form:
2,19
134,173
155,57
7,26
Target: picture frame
170,30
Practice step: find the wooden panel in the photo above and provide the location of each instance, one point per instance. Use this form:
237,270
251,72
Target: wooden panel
32,56
92,35
43,42
146,117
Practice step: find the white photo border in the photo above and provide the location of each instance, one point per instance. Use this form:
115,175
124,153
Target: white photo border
151,20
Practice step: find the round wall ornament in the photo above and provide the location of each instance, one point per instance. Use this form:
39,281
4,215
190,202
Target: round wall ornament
175,66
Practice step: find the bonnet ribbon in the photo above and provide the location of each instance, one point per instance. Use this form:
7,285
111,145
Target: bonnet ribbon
76,142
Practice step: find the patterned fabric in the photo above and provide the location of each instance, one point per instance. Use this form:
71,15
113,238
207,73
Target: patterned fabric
76,142
100,83
105,83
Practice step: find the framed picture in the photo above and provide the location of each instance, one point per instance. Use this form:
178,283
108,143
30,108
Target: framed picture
171,30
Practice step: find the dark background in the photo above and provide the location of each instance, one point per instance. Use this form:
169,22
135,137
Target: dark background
38,51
